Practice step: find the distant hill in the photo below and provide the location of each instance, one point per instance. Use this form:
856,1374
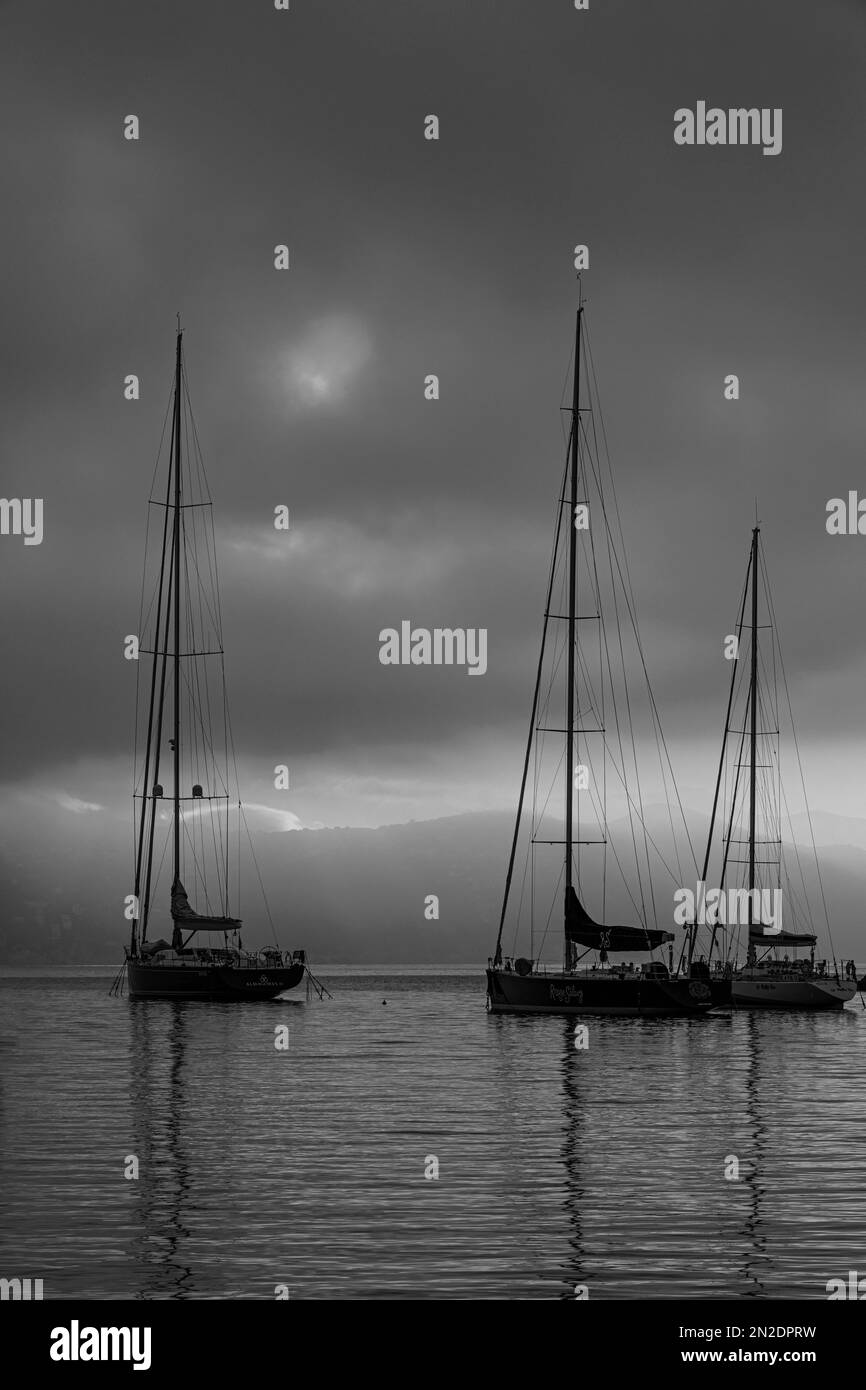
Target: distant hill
358,896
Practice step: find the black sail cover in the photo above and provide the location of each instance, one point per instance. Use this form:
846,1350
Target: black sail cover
580,927
184,915
759,937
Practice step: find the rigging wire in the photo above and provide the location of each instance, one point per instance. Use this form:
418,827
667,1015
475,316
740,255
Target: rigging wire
796,742
630,600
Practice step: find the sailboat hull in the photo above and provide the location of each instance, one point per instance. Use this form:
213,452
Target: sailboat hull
211,982
761,992
602,992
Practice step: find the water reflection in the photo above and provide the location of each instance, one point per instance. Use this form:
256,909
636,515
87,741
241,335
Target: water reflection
756,1257
159,1104
558,1166
573,1126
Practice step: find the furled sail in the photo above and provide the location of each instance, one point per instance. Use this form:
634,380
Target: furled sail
759,937
184,915
580,927
150,948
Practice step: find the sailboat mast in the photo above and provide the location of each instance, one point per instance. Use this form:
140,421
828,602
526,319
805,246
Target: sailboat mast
689,944
572,616
177,495
753,763
148,799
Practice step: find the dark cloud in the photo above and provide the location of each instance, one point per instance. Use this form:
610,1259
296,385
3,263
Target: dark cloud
411,257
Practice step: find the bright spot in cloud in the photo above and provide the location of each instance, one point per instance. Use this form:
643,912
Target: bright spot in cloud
313,384
279,820
327,359
269,817
72,803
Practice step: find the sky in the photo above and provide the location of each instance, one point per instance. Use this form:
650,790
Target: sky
410,257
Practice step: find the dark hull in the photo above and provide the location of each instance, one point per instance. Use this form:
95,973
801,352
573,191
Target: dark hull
586,993
211,982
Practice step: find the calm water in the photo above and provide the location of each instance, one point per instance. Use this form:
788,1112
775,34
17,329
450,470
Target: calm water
602,1167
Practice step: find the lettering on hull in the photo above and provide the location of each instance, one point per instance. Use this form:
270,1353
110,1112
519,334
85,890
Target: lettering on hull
566,994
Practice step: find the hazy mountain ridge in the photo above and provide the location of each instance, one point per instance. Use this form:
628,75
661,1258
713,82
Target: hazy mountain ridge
358,895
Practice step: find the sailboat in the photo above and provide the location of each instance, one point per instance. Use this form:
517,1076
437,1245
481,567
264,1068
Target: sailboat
204,957
599,745
779,929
